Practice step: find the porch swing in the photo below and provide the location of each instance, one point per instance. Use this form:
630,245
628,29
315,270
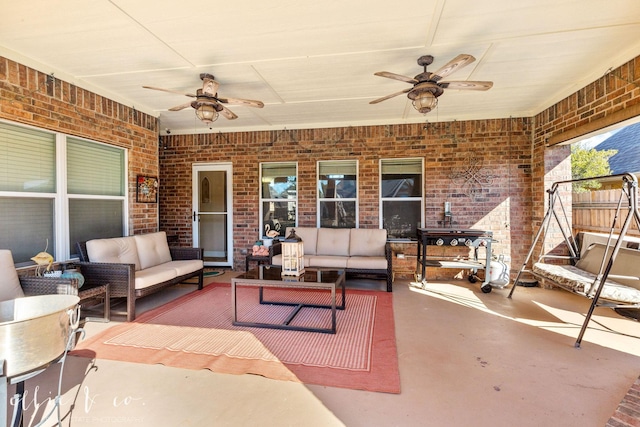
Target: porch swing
607,273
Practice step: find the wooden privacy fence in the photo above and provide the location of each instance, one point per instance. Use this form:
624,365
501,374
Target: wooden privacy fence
595,210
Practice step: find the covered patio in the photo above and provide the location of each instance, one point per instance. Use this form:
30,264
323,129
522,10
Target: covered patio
465,358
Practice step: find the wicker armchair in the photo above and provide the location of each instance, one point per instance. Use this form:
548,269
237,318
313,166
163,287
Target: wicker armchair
14,286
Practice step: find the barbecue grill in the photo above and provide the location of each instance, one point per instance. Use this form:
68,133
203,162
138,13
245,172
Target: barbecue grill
470,238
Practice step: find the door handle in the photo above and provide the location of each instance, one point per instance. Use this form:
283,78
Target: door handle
194,216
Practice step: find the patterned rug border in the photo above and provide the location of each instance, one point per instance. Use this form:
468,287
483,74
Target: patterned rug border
383,375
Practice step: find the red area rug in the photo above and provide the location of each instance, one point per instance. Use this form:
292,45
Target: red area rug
195,332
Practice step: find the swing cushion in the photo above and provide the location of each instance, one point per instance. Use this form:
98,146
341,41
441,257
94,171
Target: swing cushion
623,284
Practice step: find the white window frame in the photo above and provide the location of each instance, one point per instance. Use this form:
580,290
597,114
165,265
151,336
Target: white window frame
61,198
337,199
421,198
272,200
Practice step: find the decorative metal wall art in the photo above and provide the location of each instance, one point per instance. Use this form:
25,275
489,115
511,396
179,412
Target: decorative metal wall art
472,178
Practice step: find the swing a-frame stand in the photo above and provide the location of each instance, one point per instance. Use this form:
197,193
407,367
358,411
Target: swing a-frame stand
594,273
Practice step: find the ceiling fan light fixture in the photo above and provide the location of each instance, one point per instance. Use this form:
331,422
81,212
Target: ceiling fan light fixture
425,102
207,113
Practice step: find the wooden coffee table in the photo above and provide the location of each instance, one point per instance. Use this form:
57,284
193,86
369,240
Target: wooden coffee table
270,277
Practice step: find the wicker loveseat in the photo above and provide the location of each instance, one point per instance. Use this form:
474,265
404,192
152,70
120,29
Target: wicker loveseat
359,251
136,266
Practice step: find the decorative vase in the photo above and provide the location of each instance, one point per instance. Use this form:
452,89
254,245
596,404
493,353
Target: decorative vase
74,274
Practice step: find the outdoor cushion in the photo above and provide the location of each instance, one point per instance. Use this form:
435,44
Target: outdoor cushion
309,236
154,275
327,261
567,276
153,249
367,242
627,263
367,263
186,266
333,241
9,283
587,238
119,250
580,281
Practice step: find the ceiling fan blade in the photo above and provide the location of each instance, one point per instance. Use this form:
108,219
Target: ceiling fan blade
395,76
384,98
170,91
180,107
463,85
455,64
240,101
227,113
209,86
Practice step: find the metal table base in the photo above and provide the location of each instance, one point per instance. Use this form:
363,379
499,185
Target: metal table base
257,278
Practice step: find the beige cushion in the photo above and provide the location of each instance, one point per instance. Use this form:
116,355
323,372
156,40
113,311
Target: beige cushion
367,263
627,263
587,238
186,266
154,275
309,236
367,242
326,261
333,241
9,283
117,250
153,249
277,259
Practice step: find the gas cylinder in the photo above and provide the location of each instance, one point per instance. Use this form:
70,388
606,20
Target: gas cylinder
499,272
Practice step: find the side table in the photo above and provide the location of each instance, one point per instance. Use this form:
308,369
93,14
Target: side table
101,291
260,259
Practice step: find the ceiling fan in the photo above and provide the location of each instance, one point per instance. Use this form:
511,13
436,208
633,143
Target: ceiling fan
427,86
207,103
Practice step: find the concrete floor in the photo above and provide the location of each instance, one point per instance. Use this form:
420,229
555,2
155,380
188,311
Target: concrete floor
466,359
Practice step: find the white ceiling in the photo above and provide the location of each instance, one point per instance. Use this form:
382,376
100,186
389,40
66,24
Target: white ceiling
313,63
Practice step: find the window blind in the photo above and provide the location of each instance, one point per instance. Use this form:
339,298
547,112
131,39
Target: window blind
27,226
278,170
94,168
337,167
402,166
27,160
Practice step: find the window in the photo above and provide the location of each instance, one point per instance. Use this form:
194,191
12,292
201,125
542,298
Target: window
278,198
40,209
337,194
401,197
96,189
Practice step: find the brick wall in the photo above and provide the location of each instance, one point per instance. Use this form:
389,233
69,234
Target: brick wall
497,152
34,98
627,413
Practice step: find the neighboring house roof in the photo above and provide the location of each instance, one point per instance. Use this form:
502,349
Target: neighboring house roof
627,142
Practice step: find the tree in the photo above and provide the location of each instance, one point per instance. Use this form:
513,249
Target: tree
587,163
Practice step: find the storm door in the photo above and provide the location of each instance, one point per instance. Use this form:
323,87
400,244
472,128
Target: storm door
212,215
